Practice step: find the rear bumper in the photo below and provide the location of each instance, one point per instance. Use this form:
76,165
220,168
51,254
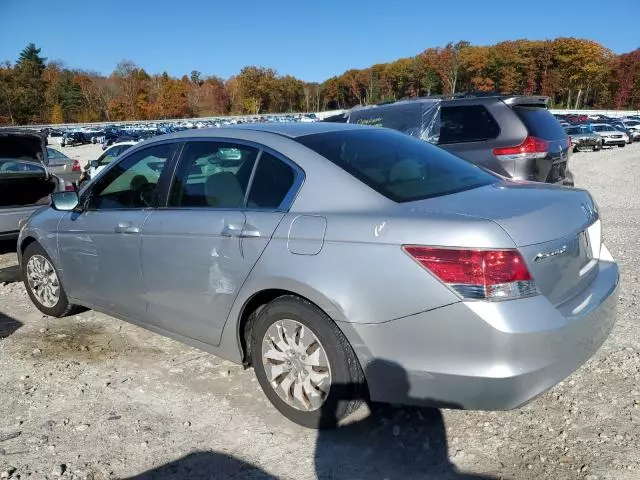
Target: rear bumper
482,355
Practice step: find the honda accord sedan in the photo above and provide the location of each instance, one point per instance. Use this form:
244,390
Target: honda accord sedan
342,262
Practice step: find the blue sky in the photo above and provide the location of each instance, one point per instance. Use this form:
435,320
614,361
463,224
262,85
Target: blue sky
312,40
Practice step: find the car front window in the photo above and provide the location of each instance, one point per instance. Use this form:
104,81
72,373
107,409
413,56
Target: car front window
133,182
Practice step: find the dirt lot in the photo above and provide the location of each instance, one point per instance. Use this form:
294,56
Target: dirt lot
93,397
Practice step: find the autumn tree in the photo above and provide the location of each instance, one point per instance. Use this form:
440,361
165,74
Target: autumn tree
130,102
57,115
573,72
451,64
173,101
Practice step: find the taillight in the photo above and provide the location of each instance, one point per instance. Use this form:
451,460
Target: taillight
532,147
477,274
76,166
568,141
69,187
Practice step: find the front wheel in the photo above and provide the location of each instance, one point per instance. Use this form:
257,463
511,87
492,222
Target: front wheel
622,145
304,363
597,147
42,282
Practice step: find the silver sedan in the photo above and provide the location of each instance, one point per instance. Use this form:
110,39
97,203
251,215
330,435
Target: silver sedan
63,167
344,263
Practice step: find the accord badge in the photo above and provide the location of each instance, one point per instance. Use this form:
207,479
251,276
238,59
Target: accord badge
552,253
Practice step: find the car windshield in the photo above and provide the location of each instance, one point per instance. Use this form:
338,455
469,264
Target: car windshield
52,153
579,129
396,165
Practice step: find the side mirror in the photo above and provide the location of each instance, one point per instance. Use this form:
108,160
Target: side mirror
93,163
64,201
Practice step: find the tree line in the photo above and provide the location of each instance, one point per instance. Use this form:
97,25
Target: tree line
574,73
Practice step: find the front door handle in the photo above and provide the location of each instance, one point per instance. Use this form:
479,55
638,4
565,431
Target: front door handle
126,227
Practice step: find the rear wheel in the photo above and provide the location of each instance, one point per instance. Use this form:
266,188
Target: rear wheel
304,363
43,283
622,145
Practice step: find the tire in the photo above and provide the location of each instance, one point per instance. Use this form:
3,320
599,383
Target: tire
346,385
597,147
61,307
622,145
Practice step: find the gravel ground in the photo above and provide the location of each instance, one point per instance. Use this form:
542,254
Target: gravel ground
92,397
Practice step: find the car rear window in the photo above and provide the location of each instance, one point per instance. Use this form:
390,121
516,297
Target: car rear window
466,123
409,117
398,166
540,123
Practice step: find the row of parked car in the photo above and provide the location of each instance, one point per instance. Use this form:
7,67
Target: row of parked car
597,131
137,131
344,263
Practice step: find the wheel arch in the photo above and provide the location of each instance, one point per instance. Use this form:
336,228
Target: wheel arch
238,326
26,242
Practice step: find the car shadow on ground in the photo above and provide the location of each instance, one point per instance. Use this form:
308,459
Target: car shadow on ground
8,325
390,443
11,273
7,246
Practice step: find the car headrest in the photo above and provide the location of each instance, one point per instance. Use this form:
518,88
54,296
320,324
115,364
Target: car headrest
223,190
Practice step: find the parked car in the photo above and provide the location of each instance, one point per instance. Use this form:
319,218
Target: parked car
583,138
70,139
63,167
630,127
93,167
610,135
482,292
25,182
514,136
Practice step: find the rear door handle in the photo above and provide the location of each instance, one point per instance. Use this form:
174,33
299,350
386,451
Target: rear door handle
250,231
126,227
231,230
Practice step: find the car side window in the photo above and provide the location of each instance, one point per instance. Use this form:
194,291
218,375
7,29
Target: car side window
213,175
467,123
271,182
132,182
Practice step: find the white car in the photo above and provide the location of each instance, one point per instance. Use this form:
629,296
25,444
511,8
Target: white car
110,154
610,136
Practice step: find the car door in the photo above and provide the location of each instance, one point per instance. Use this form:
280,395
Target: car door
100,245
190,251
198,251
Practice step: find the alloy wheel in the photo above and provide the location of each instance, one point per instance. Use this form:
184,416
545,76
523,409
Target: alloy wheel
296,365
43,281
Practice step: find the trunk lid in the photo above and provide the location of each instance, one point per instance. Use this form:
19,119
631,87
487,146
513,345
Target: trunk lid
25,145
548,224
24,179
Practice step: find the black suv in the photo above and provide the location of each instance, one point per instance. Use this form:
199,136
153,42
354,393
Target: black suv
514,136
